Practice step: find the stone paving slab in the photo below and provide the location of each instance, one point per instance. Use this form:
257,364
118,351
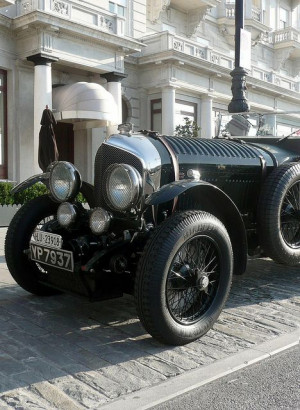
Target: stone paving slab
62,352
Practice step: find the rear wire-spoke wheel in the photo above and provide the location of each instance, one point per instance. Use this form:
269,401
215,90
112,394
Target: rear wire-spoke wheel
35,214
184,277
279,215
290,216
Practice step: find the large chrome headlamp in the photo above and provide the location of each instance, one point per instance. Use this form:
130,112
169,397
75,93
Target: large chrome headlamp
64,181
123,186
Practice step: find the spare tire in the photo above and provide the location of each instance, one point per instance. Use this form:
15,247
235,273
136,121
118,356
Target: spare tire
279,215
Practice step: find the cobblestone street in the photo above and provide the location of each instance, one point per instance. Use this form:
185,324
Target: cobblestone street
62,352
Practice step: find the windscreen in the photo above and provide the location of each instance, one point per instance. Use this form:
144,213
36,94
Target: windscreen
282,124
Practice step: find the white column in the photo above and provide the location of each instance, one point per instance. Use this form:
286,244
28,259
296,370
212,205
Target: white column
95,137
42,97
206,123
144,110
115,88
80,151
168,110
24,127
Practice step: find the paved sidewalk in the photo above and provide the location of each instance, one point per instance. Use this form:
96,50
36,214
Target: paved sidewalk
62,352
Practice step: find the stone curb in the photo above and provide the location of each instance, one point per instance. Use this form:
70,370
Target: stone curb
193,379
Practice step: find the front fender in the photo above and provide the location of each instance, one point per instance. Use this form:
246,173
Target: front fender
86,189
170,191
30,181
206,197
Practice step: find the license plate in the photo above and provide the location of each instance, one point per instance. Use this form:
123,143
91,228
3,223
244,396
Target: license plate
50,240
53,257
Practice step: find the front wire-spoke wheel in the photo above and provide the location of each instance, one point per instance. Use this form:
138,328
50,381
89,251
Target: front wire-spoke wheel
184,277
193,279
35,214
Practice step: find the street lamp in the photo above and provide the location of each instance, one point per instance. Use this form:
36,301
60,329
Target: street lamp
239,102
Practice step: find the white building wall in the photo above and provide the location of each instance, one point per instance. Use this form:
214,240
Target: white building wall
198,65
138,18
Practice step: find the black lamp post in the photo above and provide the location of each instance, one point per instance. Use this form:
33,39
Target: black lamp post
239,102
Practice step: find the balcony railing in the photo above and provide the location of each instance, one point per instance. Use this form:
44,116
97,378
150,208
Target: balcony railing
256,13
230,10
284,35
166,41
273,78
75,11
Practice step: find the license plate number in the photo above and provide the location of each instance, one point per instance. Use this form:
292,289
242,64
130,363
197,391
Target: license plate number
50,240
53,257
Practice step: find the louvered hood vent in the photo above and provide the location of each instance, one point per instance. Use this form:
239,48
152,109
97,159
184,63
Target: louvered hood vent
212,148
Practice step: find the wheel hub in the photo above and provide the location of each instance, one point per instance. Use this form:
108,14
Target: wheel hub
186,278
203,282
193,279
202,279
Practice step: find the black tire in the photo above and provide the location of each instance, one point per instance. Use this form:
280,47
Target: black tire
279,215
184,277
24,271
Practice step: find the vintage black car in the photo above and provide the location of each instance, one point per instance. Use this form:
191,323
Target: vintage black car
169,220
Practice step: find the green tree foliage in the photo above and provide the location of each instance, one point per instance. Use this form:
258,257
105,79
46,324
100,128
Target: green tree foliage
188,129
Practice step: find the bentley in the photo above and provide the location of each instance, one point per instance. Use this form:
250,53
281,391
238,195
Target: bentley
168,220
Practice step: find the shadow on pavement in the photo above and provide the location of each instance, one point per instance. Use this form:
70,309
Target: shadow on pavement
66,336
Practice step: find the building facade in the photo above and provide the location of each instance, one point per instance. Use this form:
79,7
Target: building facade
97,63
